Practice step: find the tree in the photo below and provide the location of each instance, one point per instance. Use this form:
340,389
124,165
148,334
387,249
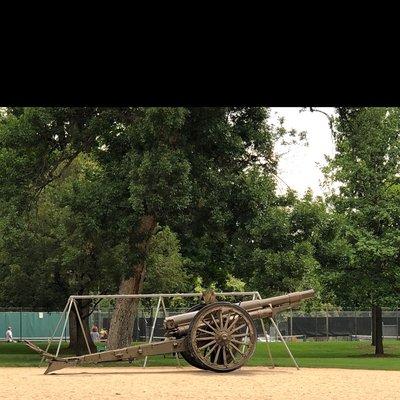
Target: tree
54,252
278,242
186,167
366,166
147,168
166,272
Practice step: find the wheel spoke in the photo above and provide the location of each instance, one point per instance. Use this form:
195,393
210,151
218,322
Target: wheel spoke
221,323
228,317
207,345
233,323
240,342
224,356
236,349
230,351
204,331
215,321
206,338
239,327
209,325
212,349
217,354
240,335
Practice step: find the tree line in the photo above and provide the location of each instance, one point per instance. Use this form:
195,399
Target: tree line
131,199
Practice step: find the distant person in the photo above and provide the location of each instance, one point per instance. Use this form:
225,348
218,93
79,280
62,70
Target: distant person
9,335
95,334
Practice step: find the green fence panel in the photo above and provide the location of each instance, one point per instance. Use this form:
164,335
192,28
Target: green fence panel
32,325
10,319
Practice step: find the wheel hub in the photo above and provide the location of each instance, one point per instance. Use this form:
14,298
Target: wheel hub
222,337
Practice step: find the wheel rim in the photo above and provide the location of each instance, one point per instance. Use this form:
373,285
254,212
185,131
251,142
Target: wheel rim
222,336
187,355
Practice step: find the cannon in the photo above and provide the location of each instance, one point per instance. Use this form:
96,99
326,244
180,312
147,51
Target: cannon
219,337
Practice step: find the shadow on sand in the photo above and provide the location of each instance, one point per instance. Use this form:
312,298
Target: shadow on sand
182,371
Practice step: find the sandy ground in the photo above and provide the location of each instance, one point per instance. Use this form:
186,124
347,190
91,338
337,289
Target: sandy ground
188,383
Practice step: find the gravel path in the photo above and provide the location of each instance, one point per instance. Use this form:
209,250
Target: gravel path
133,383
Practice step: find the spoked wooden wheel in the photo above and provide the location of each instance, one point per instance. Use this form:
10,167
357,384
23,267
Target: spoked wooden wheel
222,337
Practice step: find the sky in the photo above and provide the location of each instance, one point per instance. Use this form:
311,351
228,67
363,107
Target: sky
300,166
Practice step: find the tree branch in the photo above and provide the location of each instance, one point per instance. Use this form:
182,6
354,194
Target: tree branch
91,312
330,117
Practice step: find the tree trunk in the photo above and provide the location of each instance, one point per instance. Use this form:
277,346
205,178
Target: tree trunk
378,332
73,330
122,321
373,327
77,341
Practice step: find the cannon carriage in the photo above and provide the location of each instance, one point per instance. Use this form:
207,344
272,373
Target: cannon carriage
220,336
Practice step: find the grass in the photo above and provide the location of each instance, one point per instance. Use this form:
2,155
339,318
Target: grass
334,354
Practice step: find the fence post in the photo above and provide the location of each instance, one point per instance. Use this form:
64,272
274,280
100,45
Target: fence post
371,323
355,323
316,325
145,326
20,324
327,324
291,323
397,322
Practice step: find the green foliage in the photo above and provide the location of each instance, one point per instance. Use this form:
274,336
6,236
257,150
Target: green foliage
279,242
366,200
77,184
165,265
234,284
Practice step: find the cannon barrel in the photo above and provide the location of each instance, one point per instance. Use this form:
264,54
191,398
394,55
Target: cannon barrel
265,312
256,308
291,298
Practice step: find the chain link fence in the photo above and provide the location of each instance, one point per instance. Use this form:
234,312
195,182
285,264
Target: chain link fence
339,325
294,325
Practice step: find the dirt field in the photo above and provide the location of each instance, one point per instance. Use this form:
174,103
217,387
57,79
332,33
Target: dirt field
188,383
